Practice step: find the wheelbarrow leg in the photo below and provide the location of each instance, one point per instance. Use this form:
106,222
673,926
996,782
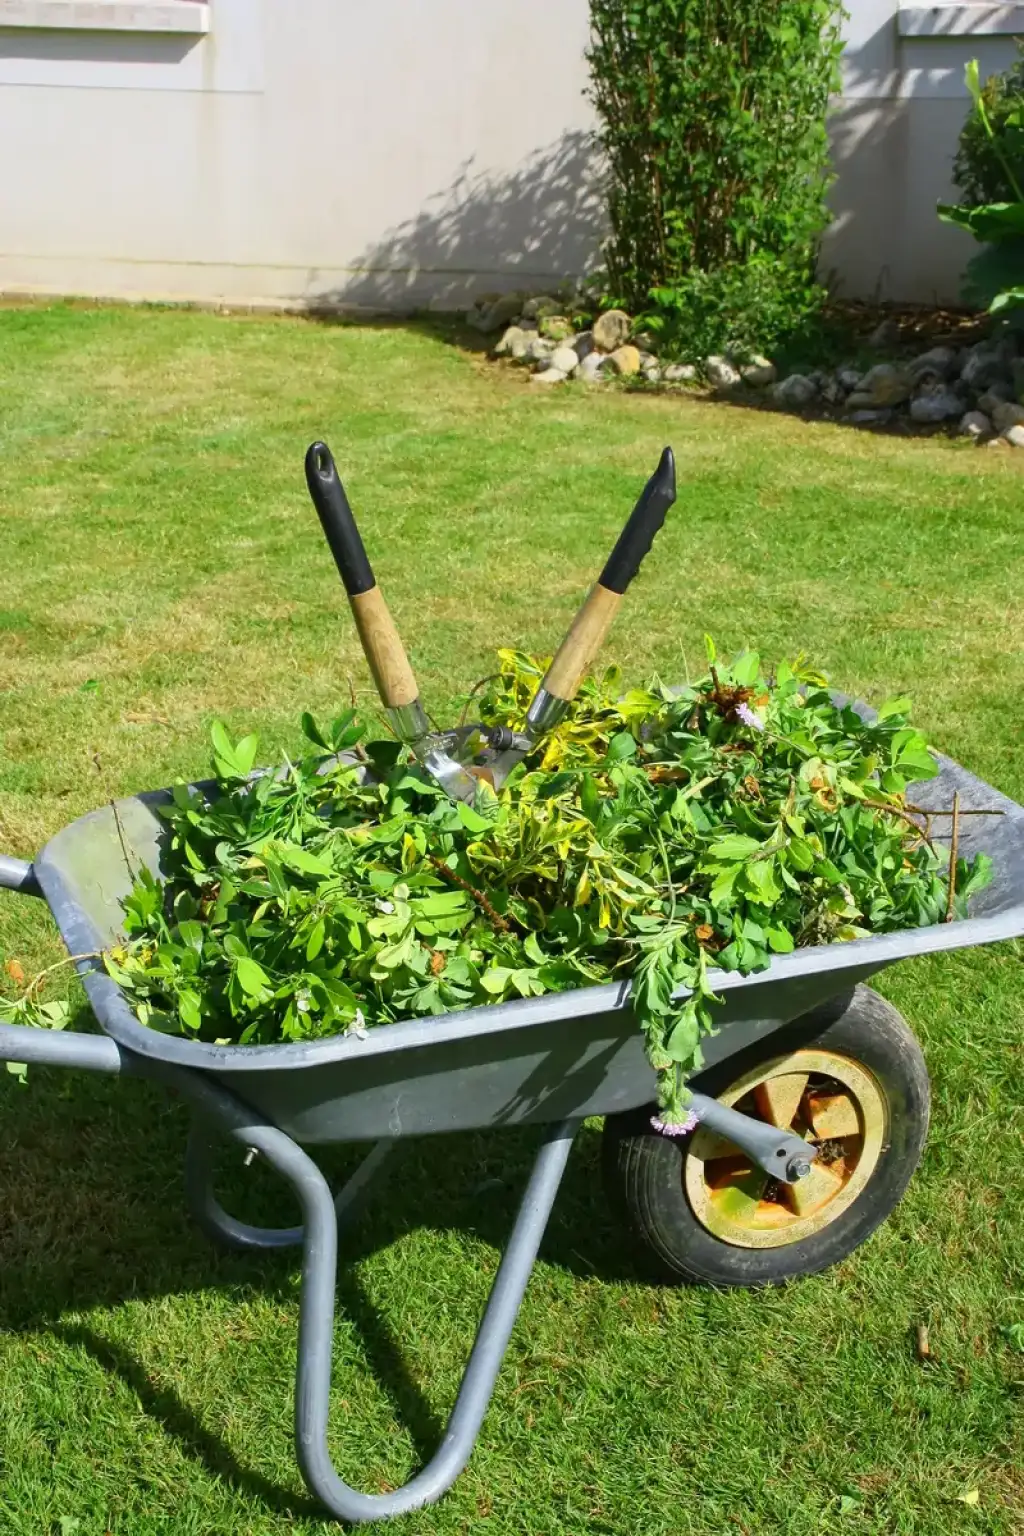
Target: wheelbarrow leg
316,1305
215,1221
316,1337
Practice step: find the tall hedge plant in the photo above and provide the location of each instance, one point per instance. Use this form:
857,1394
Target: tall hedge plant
713,120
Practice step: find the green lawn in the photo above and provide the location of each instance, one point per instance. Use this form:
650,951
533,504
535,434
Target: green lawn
161,565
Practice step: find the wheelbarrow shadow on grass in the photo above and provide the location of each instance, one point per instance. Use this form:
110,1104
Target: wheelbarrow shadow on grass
92,1213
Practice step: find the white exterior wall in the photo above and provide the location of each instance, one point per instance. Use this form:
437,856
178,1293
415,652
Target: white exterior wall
398,152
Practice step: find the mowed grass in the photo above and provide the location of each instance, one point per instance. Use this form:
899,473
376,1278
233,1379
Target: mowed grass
161,565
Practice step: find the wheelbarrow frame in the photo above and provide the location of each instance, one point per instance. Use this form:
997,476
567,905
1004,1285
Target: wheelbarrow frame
551,1061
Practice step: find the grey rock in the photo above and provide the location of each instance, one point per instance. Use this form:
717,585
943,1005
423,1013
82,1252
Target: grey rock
592,368
1007,414
884,384
679,373
938,405
720,373
849,378
645,341
549,376
507,308
513,344
832,392
611,330
975,424
759,372
988,363
868,418
542,304
652,373
564,358
938,363
583,344
996,394
885,336
539,349
1014,436
795,392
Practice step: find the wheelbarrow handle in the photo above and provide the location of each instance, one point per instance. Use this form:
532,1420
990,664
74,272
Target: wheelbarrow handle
16,875
24,1043
380,640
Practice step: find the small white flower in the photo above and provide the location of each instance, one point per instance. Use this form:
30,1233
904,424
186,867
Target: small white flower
746,714
385,906
358,1026
302,1002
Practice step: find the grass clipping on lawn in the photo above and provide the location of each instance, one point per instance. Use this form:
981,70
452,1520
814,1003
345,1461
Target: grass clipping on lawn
654,835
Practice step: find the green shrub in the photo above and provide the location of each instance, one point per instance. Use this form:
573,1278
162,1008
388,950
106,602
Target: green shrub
991,150
713,122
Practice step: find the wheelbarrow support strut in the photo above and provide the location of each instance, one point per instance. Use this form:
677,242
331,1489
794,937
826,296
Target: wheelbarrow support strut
215,1106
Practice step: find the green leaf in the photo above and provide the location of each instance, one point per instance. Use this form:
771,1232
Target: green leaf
621,747
780,940
313,733
252,978
733,846
315,942
472,820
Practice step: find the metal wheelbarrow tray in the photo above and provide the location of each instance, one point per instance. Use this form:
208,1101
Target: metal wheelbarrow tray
550,1061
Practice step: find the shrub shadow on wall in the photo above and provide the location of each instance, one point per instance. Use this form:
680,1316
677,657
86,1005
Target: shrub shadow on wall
530,228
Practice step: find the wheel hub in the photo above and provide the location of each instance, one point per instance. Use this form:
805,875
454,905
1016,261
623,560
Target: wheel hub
836,1105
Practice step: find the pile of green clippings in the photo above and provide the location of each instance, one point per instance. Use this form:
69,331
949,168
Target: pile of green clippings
655,835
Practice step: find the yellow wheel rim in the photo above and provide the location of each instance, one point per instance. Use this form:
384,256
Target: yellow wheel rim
836,1105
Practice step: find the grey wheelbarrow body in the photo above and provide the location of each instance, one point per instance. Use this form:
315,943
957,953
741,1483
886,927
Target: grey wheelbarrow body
550,1061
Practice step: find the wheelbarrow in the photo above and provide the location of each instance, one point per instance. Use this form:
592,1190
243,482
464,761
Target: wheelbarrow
802,1045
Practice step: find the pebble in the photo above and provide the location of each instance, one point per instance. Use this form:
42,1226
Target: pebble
564,358
611,330
1014,436
795,392
720,373
514,343
591,369
939,362
975,424
625,361
942,405
884,384
759,372
1007,414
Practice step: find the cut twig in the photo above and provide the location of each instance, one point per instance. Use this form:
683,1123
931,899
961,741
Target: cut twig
924,1348
954,843
485,906
895,810
95,954
919,810
132,874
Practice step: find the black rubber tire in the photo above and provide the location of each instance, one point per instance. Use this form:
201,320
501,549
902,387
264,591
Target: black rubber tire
644,1170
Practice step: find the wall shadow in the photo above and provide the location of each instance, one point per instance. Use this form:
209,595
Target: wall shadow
534,227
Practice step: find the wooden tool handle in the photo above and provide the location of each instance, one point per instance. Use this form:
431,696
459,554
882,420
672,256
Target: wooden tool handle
582,643
384,650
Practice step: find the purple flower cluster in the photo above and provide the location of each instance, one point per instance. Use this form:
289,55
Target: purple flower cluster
689,1124
746,714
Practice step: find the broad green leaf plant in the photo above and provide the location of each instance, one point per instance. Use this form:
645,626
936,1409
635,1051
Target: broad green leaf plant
995,278
658,835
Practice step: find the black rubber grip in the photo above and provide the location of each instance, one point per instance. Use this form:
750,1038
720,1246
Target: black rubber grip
647,517
337,521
